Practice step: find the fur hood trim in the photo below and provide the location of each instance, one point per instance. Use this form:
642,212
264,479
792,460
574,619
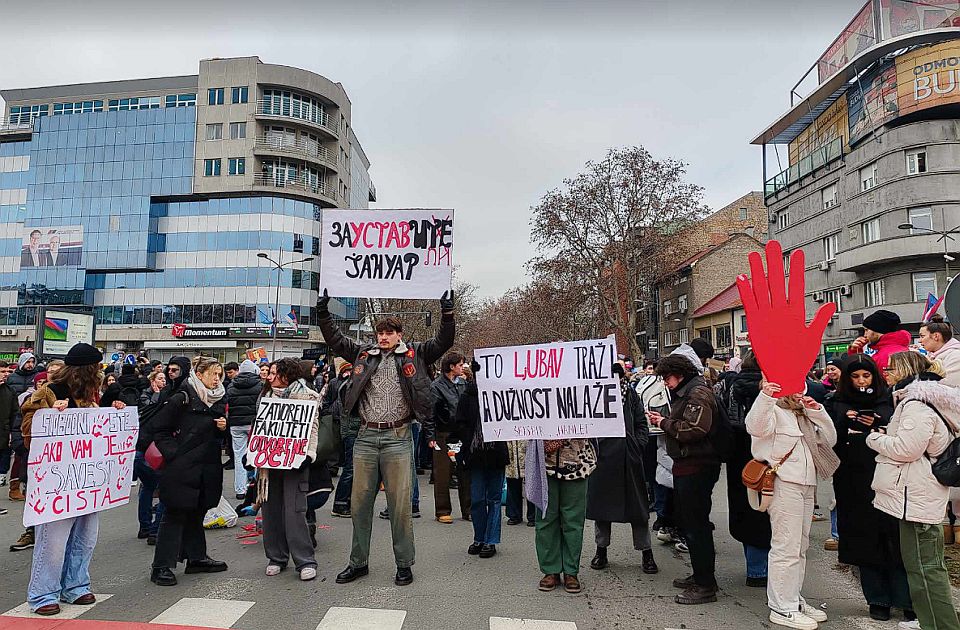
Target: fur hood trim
943,397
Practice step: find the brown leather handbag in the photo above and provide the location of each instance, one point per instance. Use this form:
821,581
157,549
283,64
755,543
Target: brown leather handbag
760,476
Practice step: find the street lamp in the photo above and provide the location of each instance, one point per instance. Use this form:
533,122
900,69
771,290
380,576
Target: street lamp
944,236
276,312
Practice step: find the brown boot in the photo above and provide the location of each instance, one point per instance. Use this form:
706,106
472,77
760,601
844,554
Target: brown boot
549,582
697,595
15,493
571,584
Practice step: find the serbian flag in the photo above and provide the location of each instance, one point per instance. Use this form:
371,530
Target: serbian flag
933,305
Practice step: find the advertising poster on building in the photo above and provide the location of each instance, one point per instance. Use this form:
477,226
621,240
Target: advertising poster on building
859,35
550,391
52,247
61,330
387,253
81,461
872,101
902,17
928,77
281,432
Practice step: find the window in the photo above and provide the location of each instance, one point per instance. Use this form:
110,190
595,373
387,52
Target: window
237,166
181,100
921,219
211,168
830,244
26,114
282,103
724,337
298,243
870,230
126,104
669,338
786,262
238,130
829,196
743,323
917,161
684,335
239,94
833,295
924,283
215,131
875,295
743,214
682,302
666,307
215,96
83,107
705,333
783,220
868,177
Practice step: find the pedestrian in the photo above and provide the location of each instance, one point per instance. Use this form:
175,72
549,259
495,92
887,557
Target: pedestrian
148,515
22,377
936,337
696,469
126,388
9,410
177,372
869,538
795,433
447,389
187,433
151,395
517,451
748,526
242,399
264,371
831,374
390,387
349,428
282,494
230,371
108,380
64,548
882,336
924,423
617,488
649,367
486,463
20,381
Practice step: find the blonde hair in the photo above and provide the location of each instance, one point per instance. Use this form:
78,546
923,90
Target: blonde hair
906,364
202,364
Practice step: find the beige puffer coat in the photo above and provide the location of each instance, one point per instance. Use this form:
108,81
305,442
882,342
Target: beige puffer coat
903,482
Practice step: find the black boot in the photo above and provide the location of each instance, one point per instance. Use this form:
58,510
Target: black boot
600,560
649,565
163,577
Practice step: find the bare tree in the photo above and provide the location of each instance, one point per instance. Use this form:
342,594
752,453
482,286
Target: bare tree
608,232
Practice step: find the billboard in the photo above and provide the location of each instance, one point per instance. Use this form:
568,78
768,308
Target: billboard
831,124
859,35
60,330
52,247
901,17
928,77
872,101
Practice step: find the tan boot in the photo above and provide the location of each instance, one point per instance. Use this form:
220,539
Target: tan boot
948,534
15,492
956,535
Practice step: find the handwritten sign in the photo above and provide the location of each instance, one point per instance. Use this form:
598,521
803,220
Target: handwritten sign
81,461
550,391
387,253
281,432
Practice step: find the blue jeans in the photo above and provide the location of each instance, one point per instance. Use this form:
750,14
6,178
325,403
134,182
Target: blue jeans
413,465
149,480
834,532
756,561
341,501
239,439
486,499
61,560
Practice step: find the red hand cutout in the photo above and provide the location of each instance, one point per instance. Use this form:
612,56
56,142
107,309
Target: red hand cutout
783,342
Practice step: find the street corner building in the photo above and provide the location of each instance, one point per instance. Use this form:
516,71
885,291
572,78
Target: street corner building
868,181
146,202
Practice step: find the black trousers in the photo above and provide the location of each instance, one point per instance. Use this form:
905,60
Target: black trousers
180,537
694,501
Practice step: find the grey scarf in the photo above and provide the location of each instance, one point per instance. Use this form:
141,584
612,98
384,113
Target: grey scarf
825,460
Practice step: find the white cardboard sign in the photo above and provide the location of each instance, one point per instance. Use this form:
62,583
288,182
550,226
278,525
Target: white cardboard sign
281,432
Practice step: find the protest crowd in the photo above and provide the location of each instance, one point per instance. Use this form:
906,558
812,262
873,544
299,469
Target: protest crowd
377,415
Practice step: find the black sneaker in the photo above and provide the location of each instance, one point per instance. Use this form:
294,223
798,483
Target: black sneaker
474,548
416,512
341,513
143,533
488,551
385,514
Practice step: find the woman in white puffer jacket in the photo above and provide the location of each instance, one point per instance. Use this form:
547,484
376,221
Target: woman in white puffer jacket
904,483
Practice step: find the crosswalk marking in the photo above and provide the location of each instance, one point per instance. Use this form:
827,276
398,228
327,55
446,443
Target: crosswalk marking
209,613
506,623
67,611
339,618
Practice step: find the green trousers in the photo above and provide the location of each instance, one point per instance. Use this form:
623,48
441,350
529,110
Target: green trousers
560,529
921,546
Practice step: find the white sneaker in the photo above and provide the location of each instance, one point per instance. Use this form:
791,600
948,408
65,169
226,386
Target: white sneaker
308,574
817,614
273,570
3,480
909,625
793,620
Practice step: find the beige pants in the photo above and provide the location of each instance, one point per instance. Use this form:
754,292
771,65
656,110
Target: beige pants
790,516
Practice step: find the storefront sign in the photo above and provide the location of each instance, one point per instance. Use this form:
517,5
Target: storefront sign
182,331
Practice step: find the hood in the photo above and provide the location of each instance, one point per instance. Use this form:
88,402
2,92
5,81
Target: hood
948,347
185,367
943,397
247,380
897,338
249,367
24,357
129,380
689,352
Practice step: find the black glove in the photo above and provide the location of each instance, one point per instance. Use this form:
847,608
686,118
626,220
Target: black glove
323,304
446,302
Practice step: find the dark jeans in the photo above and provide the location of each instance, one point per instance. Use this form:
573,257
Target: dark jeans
5,455
181,537
886,587
694,501
341,500
515,501
663,504
149,480
486,494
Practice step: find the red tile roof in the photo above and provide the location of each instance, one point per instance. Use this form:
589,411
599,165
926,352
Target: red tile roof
727,299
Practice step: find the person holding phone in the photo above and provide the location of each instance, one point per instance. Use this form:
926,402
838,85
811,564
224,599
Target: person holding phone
869,538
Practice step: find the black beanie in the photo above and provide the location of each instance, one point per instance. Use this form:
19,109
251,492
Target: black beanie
702,347
882,322
128,368
83,354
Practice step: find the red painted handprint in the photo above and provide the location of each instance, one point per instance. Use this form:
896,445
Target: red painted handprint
783,342
35,501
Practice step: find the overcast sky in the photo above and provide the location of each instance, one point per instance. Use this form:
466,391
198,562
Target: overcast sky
478,106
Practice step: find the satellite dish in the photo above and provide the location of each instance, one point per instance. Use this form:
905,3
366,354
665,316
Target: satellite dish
951,301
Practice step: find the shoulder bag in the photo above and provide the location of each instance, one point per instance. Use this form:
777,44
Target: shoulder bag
760,477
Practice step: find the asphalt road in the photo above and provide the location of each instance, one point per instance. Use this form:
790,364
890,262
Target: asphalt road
450,588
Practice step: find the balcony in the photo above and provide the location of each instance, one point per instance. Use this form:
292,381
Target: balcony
818,158
888,250
296,147
272,109
296,185
16,126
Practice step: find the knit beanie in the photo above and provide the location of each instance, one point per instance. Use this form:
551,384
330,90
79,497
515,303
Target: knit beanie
702,347
128,369
83,354
882,322
26,356
249,367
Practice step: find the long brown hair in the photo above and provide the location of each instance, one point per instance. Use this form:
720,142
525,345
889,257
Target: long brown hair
82,381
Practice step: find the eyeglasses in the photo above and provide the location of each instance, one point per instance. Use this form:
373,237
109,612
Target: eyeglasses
887,370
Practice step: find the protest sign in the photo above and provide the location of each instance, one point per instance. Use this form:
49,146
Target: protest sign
550,391
387,253
281,432
81,461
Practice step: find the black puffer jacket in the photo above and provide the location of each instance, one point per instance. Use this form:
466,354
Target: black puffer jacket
494,456
21,380
242,396
127,382
9,410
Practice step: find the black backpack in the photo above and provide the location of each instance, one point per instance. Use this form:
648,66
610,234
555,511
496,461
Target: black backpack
947,467
721,432
130,396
